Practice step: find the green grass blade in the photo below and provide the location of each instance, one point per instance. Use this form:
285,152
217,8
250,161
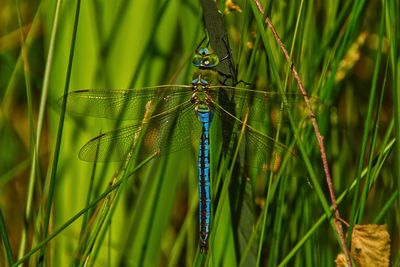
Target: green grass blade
6,241
47,213
356,202
392,31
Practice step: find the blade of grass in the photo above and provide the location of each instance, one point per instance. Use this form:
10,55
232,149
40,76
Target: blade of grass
52,181
85,222
33,147
94,203
273,255
389,203
392,31
354,215
6,242
39,127
27,76
369,180
341,197
336,224
178,247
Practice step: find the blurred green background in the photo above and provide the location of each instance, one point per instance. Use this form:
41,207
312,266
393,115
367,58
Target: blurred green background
347,55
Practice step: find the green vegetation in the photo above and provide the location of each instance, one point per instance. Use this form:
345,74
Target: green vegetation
56,210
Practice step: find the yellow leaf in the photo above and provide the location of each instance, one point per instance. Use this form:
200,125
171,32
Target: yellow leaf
370,245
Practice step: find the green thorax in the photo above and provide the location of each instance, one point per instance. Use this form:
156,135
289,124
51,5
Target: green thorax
205,60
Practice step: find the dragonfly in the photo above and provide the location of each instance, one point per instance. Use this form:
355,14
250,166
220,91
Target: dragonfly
170,118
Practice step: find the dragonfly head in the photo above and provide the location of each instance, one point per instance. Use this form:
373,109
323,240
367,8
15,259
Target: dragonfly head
205,58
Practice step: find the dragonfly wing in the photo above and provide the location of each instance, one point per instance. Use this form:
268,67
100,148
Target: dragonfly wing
263,96
260,103
165,133
263,151
260,146
132,103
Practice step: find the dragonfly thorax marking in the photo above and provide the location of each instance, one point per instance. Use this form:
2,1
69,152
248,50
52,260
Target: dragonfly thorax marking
201,97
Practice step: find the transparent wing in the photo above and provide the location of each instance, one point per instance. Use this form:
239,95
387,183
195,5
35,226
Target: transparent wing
260,127
256,102
259,145
133,103
166,133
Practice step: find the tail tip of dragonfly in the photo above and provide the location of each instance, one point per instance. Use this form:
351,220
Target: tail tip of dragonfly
203,246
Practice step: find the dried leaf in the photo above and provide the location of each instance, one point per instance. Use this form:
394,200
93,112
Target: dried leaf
341,260
370,245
